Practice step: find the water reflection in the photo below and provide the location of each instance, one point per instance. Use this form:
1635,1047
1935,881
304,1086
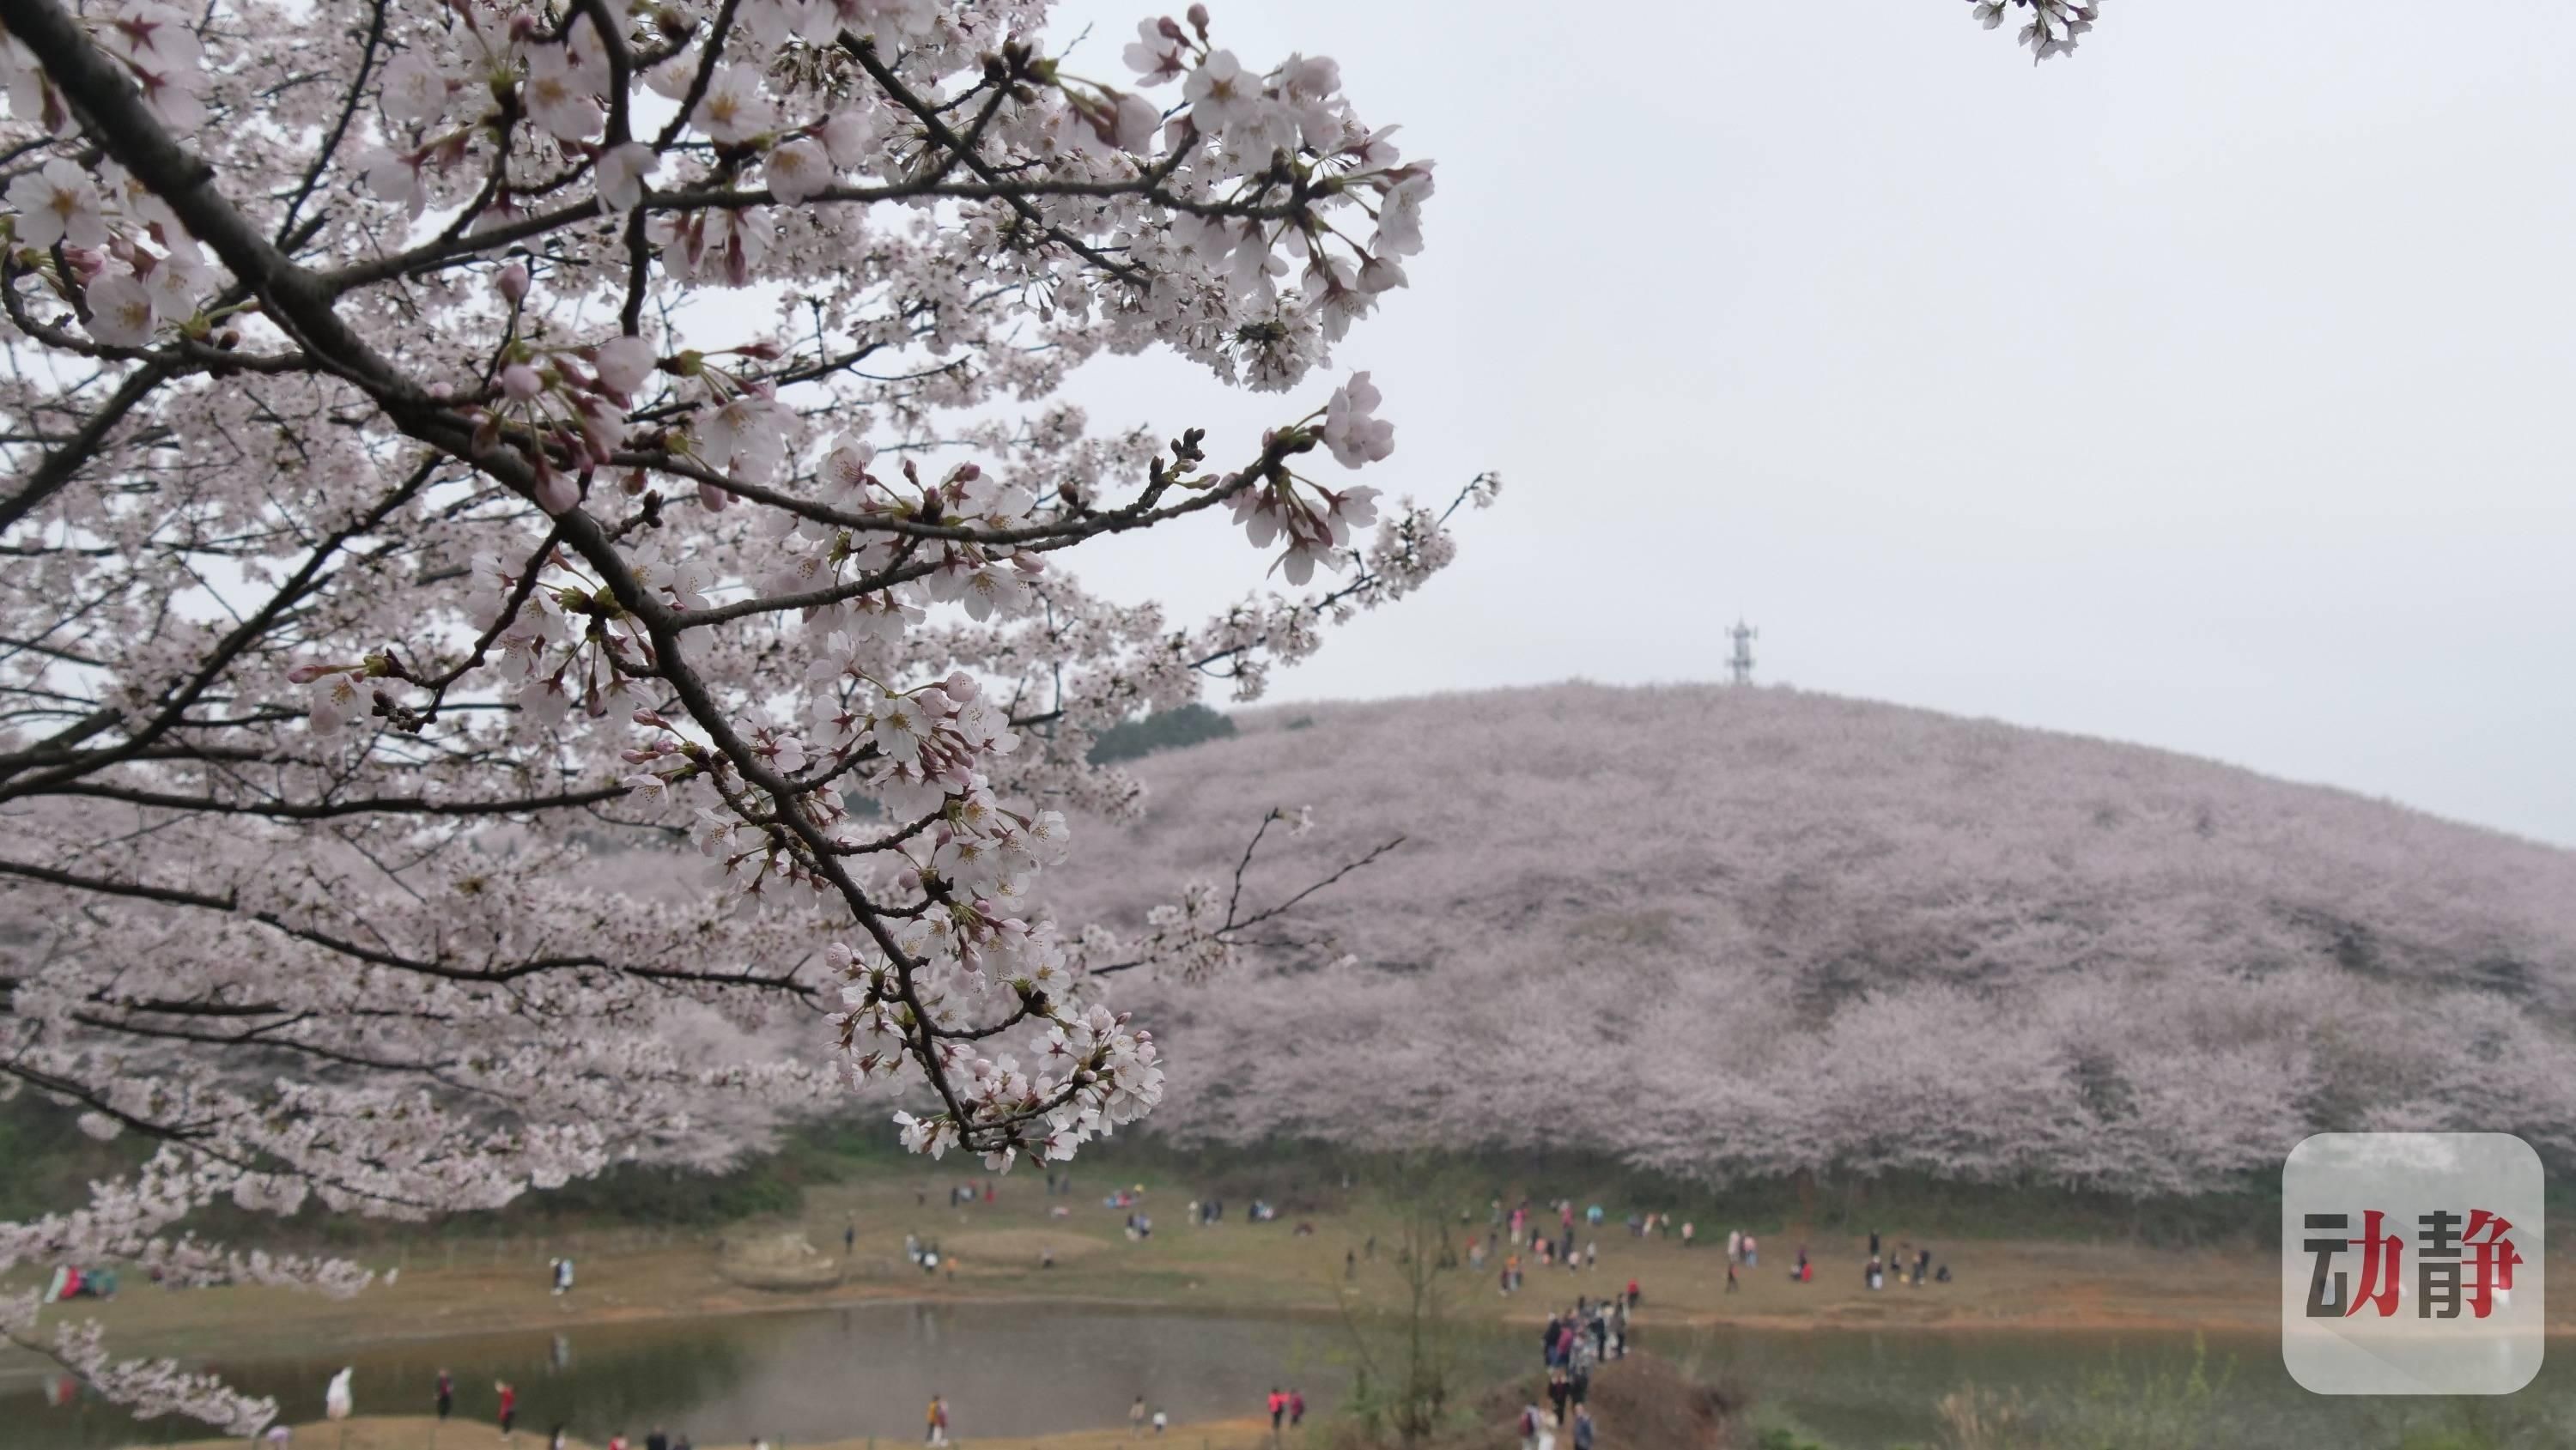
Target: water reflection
793,1378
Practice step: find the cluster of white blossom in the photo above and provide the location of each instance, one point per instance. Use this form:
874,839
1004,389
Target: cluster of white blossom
2054,27
460,450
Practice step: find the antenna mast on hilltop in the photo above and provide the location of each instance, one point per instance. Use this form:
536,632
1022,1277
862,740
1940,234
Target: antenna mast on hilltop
1739,665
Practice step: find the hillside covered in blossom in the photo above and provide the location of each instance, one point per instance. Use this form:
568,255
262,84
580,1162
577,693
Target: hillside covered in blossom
1740,933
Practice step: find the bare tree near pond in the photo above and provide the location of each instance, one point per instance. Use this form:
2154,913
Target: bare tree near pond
447,439
1400,1307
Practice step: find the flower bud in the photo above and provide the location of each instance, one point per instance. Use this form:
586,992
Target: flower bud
513,283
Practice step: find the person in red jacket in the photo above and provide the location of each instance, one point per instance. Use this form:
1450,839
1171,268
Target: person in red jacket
509,1406
1278,1408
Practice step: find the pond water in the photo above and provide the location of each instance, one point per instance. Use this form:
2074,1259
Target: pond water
793,1377
1010,1370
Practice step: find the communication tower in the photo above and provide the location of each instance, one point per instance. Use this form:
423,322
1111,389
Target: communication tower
1739,665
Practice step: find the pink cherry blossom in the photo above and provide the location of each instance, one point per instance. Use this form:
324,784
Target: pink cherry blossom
735,109
624,364
395,177
121,313
1159,52
58,202
797,170
622,169
558,95
415,93
1351,430
1218,92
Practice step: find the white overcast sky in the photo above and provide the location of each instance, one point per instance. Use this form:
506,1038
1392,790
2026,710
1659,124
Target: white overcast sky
2209,389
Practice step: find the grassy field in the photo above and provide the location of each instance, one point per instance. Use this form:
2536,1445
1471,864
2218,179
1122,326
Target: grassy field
436,1284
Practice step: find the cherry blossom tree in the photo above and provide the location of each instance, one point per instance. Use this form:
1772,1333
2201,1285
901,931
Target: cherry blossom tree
1737,935
449,440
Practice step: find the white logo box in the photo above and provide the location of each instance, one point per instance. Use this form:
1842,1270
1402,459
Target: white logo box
2355,1334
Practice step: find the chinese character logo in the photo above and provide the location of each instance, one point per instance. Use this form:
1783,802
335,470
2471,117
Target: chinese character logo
2399,1256
2488,1264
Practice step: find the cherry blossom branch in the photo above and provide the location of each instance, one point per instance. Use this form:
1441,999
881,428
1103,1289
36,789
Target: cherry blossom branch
1183,934
393,582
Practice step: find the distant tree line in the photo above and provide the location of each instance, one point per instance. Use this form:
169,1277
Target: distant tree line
1162,730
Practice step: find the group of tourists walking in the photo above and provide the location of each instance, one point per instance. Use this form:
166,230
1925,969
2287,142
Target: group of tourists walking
1574,1343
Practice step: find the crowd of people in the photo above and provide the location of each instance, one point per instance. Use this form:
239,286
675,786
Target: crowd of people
1578,1339
1910,1260
1574,1343
1521,1231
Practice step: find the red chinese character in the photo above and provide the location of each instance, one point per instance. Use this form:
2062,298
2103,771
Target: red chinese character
2379,1252
2494,1255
